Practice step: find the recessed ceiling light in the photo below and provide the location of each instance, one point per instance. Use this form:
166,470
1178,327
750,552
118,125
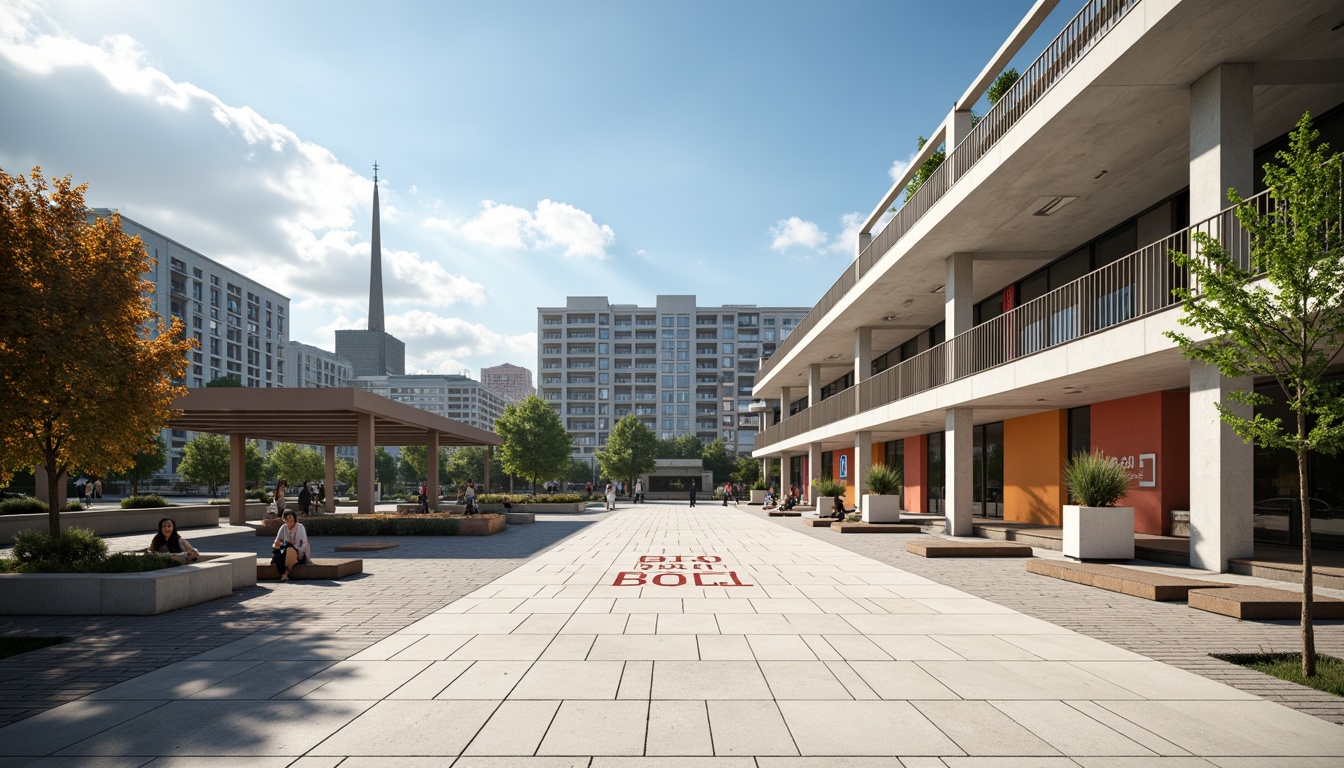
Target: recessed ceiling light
1046,206
888,318
907,302
833,357
939,289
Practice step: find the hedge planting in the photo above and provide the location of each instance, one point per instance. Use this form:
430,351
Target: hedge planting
381,525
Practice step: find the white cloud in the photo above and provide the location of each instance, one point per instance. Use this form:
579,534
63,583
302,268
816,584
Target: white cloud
899,167
551,224
795,232
435,343
849,234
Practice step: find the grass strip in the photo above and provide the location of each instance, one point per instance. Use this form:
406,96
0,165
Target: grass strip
1329,675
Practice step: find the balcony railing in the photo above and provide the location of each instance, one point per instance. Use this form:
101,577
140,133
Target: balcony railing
1135,286
1077,38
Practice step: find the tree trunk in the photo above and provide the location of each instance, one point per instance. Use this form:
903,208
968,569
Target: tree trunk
53,500
1308,630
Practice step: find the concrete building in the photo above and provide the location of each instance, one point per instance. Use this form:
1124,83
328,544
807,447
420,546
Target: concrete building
514,382
1012,311
373,351
683,369
240,324
452,396
316,367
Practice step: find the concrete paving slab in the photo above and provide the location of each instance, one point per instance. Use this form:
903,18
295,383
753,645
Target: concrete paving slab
486,680
597,728
70,723
980,729
515,728
1069,731
678,728
749,728
431,681
864,728
709,680
175,681
802,680
398,728
363,680
557,680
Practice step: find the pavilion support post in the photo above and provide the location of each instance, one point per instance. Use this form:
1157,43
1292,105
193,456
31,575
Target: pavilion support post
432,469
329,480
489,459
364,424
237,479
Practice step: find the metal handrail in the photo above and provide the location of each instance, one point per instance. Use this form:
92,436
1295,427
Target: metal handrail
1091,23
1127,289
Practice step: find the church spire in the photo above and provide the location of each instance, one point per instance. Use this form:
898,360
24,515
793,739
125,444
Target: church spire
376,268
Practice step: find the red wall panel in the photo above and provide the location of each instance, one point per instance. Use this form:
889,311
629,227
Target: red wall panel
1150,435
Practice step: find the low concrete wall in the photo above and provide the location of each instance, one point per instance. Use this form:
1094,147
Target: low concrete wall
244,566
113,521
548,508
117,594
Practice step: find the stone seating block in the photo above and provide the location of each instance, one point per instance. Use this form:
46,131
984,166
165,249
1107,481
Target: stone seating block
1252,603
520,518
818,522
366,546
408,509
320,568
784,513
244,575
945,548
1159,587
874,528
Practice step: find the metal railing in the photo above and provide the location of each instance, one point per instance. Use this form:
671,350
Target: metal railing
1129,288
1078,36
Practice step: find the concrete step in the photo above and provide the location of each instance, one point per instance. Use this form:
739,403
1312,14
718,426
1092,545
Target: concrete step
1116,578
874,528
1252,603
947,548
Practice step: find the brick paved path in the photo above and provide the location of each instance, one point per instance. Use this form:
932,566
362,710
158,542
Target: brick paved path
398,587
1168,632
665,636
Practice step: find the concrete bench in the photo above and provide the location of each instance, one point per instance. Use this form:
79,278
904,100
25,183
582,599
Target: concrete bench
320,568
409,509
818,522
946,548
1250,603
243,573
520,518
874,528
784,513
366,546
1128,581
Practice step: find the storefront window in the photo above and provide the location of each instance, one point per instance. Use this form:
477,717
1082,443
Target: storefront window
936,474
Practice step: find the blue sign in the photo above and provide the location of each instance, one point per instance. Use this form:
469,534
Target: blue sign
844,466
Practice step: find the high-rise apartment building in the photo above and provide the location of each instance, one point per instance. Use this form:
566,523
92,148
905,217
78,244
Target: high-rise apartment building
683,369
240,324
452,396
1013,311
316,367
514,382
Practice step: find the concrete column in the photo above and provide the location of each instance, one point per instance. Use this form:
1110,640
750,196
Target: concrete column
1222,146
40,476
329,479
432,469
958,128
957,445
958,303
237,480
785,400
814,384
863,353
783,486
364,425
1221,467
813,469
863,461
864,240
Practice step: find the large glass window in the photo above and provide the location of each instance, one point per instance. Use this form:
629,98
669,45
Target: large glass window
937,474
827,465
1275,489
987,467
1080,430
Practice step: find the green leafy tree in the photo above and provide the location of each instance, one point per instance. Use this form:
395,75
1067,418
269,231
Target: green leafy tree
384,467
205,460
254,463
926,168
718,460
226,382
348,472
146,463
579,471
535,442
1288,326
684,447
296,463
415,463
746,471
630,451
88,370
468,463
1001,85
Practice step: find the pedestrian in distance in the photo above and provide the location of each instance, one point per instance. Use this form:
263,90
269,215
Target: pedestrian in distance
280,487
305,498
692,493
611,497
639,491
98,488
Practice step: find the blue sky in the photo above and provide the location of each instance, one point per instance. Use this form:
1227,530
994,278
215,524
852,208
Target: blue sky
529,150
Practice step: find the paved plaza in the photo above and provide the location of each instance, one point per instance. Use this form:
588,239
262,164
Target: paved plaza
654,636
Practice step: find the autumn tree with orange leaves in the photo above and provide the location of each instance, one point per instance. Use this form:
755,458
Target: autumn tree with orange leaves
86,365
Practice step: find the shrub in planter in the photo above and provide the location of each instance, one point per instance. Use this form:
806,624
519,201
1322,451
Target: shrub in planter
1096,480
760,485
259,495
381,525
24,506
144,502
883,480
827,487
881,503
72,545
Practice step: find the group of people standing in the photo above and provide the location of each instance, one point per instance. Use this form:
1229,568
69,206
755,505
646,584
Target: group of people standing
312,497
89,490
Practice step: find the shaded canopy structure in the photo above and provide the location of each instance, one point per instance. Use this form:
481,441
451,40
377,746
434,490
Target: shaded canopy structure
328,417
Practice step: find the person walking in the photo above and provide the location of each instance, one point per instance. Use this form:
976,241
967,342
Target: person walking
727,491
469,498
639,491
98,488
611,497
692,493
280,487
305,498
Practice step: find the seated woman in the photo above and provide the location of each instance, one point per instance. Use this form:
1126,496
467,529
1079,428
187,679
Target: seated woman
290,547
769,501
167,542
838,508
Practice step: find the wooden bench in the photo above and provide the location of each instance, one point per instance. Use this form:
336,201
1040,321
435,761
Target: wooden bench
819,522
873,527
1250,603
320,568
784,513
946,548
1128,581
366,546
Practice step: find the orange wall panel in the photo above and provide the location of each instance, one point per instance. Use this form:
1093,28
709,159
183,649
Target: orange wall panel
848,453
916,474
1034,449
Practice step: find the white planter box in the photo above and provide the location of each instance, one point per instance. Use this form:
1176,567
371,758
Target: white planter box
757,497
823,506
881,509
1098,533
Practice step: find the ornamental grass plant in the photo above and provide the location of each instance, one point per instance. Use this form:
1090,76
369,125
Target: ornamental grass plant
828,487
1095,479
884,480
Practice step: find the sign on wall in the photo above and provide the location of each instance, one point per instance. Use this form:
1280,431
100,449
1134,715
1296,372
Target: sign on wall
1143,468
844,466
